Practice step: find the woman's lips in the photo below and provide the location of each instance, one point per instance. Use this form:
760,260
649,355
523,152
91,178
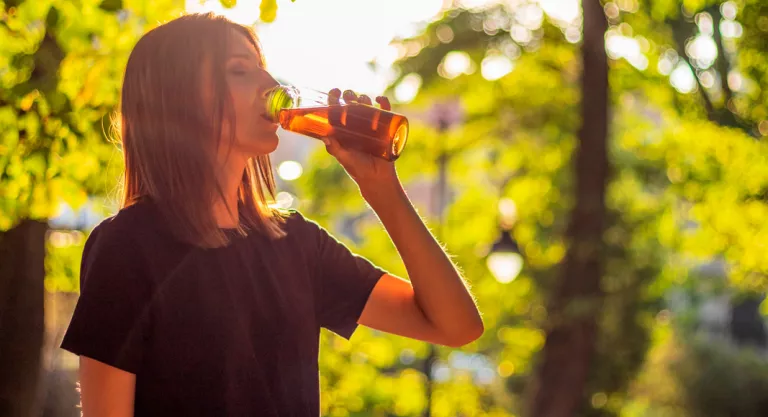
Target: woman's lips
273,124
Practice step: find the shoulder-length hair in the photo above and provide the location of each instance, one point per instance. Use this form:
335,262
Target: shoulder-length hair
170,135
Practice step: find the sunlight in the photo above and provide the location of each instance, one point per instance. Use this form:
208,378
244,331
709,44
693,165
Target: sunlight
564,11
477,4
313,43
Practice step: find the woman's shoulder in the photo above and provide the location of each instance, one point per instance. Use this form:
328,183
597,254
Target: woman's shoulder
115,260
298,223
126,221
123,230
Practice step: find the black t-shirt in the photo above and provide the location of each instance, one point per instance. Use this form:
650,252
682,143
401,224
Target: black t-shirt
230,331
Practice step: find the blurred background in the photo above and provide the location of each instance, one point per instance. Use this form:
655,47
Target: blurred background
598,169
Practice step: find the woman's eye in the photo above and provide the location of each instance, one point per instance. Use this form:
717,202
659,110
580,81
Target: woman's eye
238,71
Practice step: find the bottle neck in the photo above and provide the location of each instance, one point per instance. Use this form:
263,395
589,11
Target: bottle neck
279,98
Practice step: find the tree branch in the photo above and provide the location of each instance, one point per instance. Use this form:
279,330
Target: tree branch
681,32
721,64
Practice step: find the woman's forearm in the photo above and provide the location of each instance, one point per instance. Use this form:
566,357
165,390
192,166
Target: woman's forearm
105,391
439,288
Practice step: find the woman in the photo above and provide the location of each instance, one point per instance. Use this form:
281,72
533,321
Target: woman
197,298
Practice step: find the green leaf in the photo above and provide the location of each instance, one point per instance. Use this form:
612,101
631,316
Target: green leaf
111,5
52,19
68,191
268,10
36,164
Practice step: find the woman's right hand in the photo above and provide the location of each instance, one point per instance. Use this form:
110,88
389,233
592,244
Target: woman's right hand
349,96
368,171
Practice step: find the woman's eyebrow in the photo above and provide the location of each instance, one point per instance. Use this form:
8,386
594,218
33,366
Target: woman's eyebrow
241,55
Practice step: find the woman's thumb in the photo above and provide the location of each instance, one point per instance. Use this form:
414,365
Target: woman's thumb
332,146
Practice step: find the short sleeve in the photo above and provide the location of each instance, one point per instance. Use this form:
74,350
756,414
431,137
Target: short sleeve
345,281
110,319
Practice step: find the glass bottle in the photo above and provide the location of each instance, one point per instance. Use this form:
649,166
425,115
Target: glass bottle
354,125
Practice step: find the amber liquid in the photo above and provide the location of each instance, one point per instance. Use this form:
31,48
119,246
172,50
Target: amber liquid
355,126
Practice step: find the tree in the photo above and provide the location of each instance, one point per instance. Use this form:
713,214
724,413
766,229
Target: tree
679,194
508,131
577,297
62,64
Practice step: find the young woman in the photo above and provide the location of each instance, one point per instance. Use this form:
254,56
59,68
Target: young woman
197,298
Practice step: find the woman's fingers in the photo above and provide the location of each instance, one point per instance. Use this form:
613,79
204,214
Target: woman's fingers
364,99
349,96
384,102
333,96
334,148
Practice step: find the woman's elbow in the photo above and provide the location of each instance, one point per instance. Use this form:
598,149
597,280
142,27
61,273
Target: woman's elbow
468,337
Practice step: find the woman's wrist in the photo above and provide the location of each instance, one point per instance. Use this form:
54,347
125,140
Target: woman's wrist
382,192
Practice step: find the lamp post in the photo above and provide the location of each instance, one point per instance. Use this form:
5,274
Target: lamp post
504,259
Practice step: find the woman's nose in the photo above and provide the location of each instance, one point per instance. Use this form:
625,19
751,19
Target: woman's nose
269,82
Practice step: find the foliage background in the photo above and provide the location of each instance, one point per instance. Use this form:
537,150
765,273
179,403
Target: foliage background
688,191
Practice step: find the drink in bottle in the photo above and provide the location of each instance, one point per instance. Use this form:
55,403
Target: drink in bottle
354,125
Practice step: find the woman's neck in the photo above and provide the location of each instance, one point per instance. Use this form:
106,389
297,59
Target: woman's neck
225,219
230,179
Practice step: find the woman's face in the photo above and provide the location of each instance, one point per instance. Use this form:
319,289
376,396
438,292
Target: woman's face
246,82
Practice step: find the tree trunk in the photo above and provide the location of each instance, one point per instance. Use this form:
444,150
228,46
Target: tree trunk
575,301
22,270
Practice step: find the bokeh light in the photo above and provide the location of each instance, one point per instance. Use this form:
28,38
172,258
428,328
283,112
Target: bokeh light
454,64
565,11
290,170
682,78
495,66
507,212
621,46
284,200
408,88
702,50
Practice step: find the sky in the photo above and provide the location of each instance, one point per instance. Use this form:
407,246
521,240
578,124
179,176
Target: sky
322,44
329,43
326,44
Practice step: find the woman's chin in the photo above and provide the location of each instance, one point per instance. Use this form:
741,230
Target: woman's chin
264,144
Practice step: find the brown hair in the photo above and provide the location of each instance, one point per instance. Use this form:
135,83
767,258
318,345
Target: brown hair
167,131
